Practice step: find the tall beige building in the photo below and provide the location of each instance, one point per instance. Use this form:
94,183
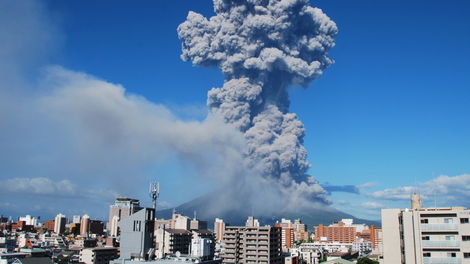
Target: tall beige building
219,229
122,208
421,236
252,243
85,225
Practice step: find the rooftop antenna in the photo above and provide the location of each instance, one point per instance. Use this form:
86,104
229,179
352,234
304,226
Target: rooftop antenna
195,215
154,192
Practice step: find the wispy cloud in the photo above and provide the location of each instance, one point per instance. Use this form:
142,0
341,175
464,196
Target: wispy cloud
450,191
400,193
372,205
367,185
41,186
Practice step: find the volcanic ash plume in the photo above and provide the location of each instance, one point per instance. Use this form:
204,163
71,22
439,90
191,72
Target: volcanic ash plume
263,47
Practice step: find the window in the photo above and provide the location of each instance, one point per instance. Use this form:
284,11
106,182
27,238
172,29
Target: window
448,220
464,220
466,255
451,255
427,254
425,238
450,238
465,238
424,221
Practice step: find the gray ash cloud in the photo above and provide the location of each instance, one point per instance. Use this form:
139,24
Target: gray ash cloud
263,47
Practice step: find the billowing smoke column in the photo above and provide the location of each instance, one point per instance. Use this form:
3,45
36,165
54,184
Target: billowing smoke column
262,47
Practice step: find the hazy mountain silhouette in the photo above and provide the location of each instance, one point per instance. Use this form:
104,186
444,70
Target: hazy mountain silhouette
204,206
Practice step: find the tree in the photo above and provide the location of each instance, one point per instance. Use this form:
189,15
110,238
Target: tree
366,260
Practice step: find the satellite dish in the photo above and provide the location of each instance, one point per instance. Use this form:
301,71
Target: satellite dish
178,254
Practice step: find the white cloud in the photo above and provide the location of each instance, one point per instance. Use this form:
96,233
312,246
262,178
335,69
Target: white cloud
400,193
449,190
164,205
42,186
372,205
368,185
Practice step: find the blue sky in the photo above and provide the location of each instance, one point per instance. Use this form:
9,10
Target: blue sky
389,112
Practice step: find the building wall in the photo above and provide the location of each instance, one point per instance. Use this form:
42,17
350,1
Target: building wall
98,255
430,235
49,225
301,235
122,208
59,224
251,244
85,225
287,237
137,234
340,233
76,219
375,238
219,229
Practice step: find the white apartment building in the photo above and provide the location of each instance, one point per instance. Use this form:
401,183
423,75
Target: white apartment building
422,236
59,224
76,219
29,220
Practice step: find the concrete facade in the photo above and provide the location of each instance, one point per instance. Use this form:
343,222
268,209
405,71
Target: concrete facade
335,233
85,225
59,224
137,234
99,255
252,244
122,208
170,241
433,235
219,229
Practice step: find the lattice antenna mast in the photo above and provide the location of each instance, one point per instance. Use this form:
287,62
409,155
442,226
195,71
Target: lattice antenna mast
154,192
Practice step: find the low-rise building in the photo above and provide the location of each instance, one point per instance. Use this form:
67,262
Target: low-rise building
98,255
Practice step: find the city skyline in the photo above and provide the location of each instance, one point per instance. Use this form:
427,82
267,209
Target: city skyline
84,83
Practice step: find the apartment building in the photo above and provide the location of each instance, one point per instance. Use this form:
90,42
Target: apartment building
287,233
122,208
98,255
375,236
137,233
170,241
252,244
432,235
338,232
59,224
219,229
300,231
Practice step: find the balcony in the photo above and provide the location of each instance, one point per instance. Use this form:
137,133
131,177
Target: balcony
443,243
442,260
436,227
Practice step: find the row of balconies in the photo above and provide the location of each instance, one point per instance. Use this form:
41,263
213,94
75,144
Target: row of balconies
442,260
442,243
437,227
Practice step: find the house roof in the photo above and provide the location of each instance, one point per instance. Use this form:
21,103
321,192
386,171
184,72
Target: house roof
338,261
178,231
42,260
